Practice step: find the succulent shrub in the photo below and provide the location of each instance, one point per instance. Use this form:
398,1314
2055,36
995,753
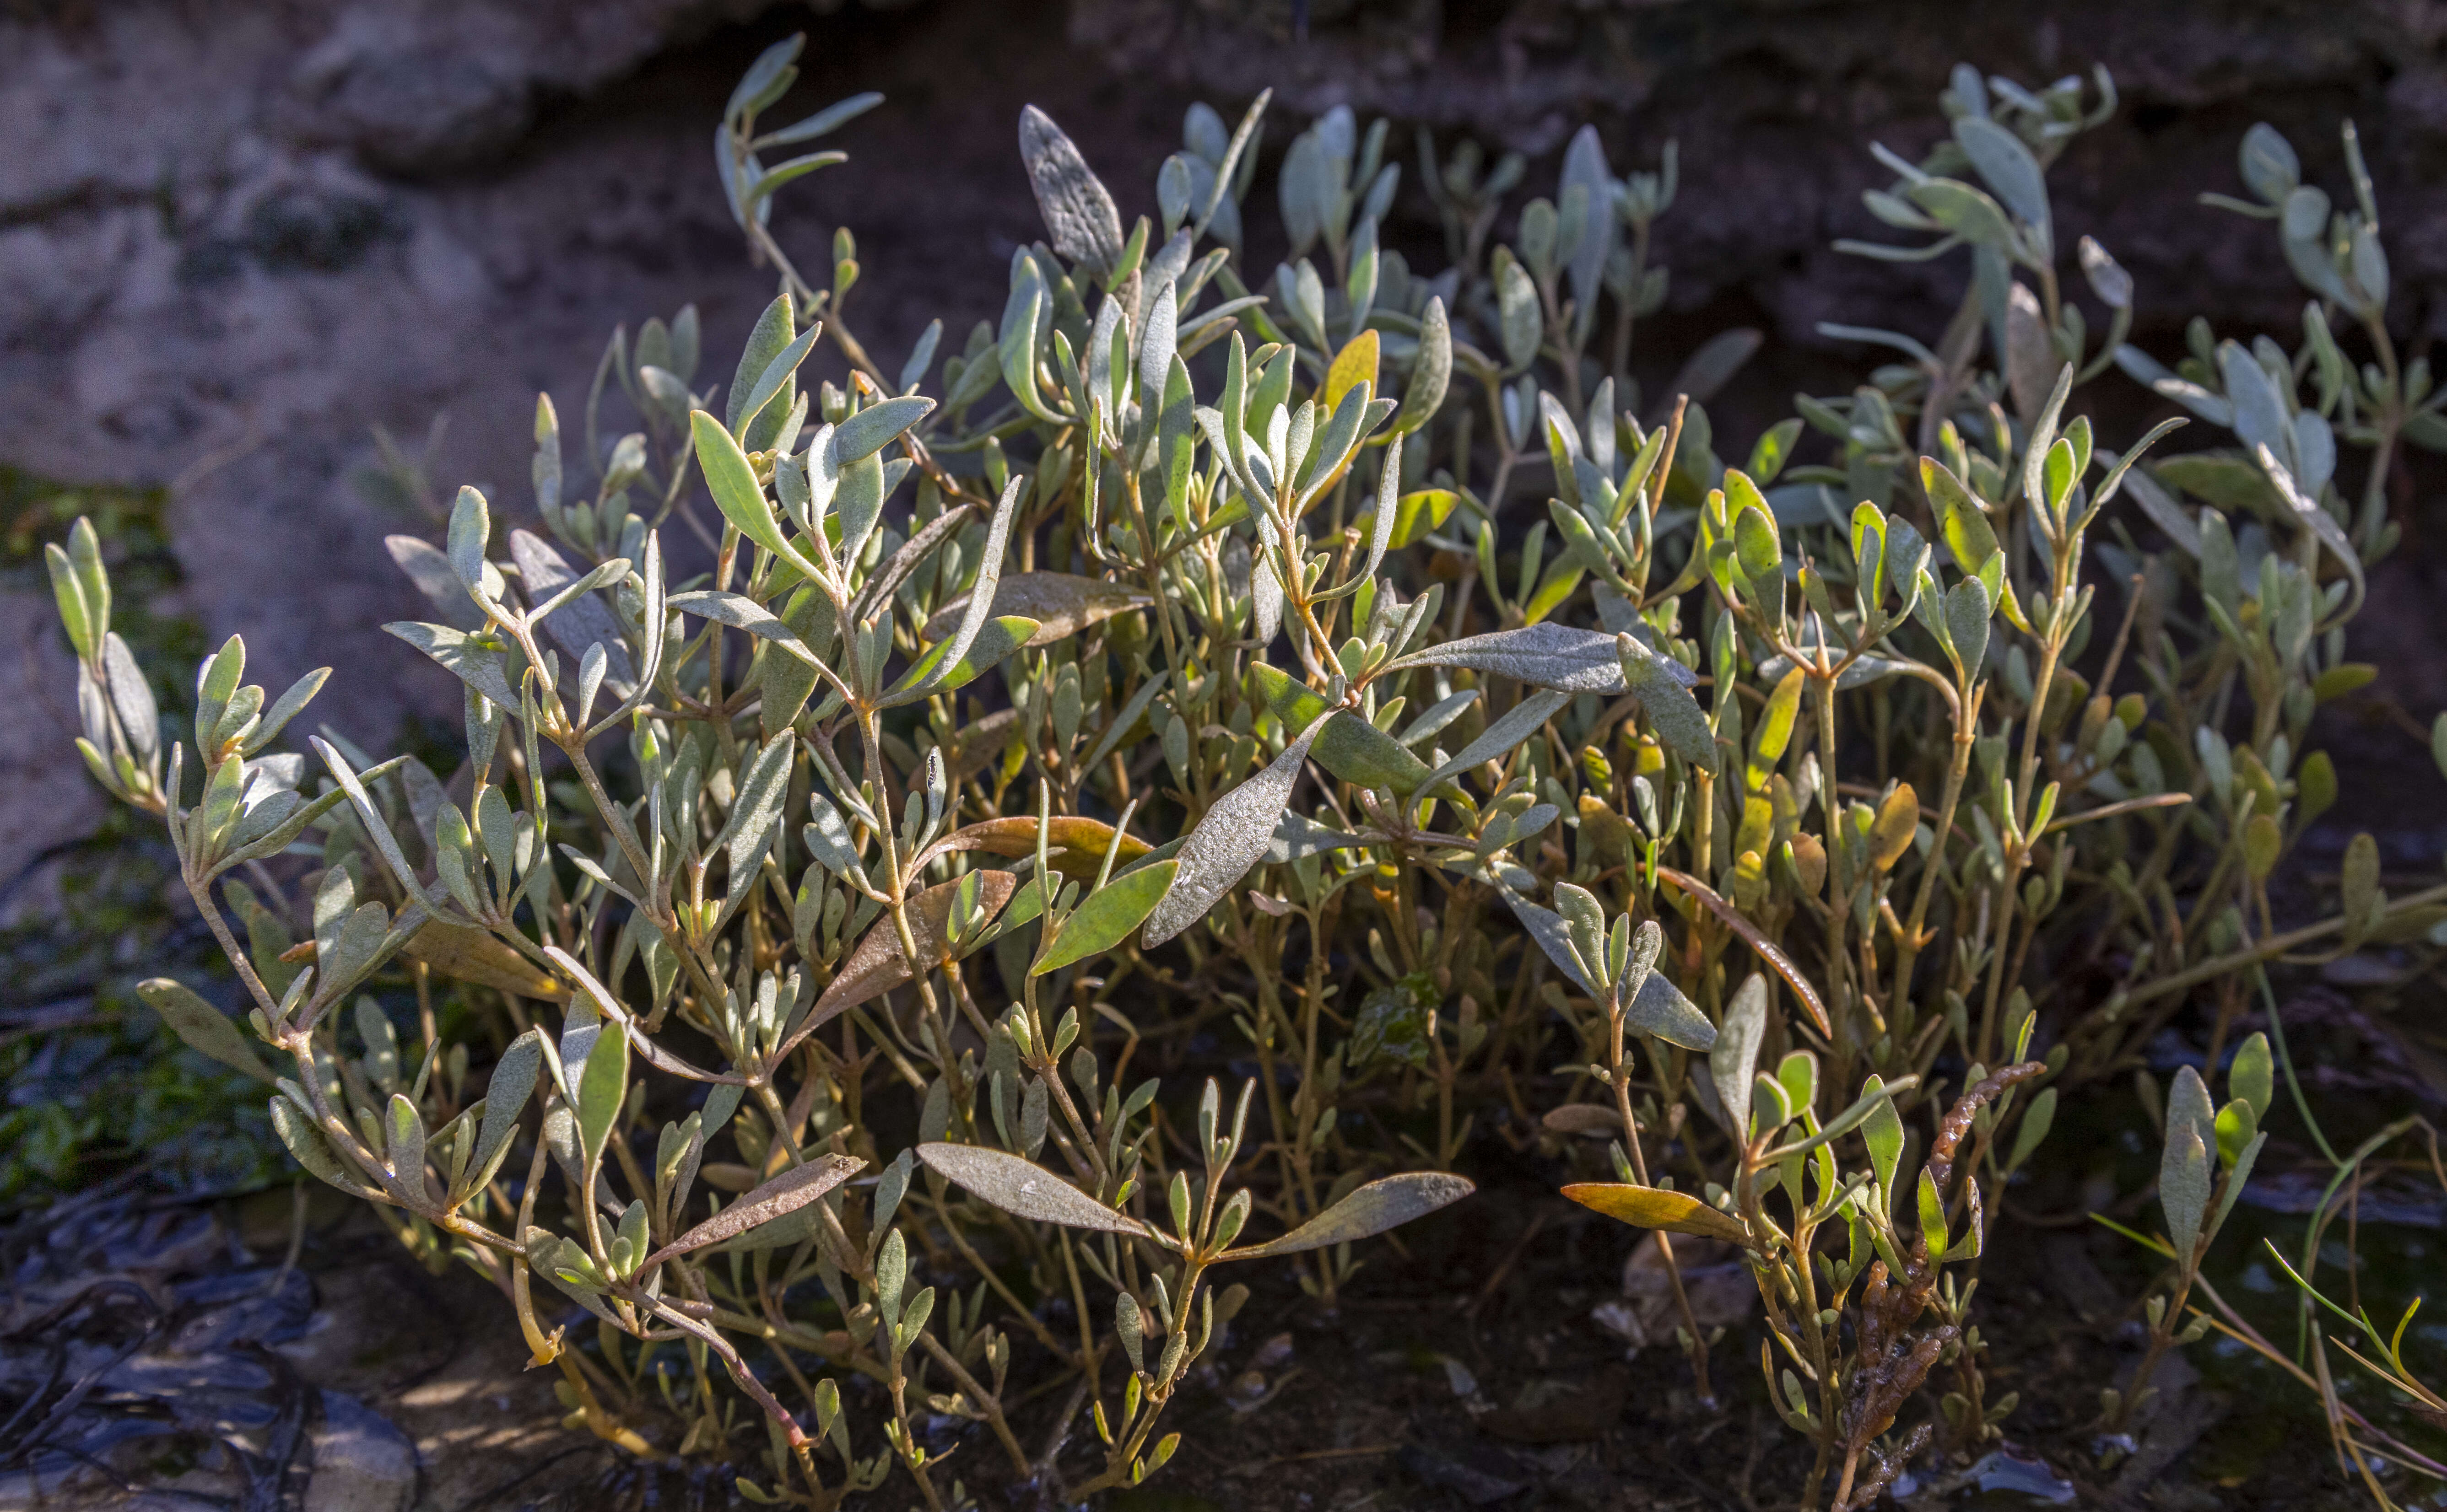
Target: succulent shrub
1342,656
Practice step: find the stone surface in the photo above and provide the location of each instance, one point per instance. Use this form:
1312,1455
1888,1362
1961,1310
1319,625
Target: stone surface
362,1464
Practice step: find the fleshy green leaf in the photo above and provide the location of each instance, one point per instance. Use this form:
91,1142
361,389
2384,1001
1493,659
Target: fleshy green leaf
1108,913
602,1086
204,1028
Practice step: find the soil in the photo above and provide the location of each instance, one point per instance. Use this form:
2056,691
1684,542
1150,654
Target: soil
1481,1363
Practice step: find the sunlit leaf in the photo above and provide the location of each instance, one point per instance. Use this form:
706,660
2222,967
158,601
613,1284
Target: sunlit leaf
1649,1207
1385,1204
1020,1188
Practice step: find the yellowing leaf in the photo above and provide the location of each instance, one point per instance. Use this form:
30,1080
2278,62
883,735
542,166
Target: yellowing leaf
1649,1207
1061,603
1075,846
475,955
1890,833
1355,364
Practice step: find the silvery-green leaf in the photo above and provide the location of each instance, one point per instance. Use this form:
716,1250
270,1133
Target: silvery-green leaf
897,568
877,426
284,708
583,621
77,616
1266,601
2235,1179
1123,722
2369,264
603,1087
1349,747
756,810
403,1134
1434,718
939,672
591,671
1079,214
356,948
1518,314
376,825
2143,368
1229,839
2260,415
744,613
505,1099
921,356
823,122
311,1150
1660,1009
1546,653
2269,166
1295,837
2250,1075
827,838
2316,518
982,591
2007,166
1509,730
1713,365
131,698
775,378
776,327
1022,1189
1430,371
1966,621
1109,912
2107,277
1235,164
1159,338
2315,448
1382,1204
479,664
763,82
270,823
204,1028
1546,927
2188,1102
1875,1096
736,492
1062,604
471,528
1667,701
1585,167
1733,1061
1022,319
2184,1184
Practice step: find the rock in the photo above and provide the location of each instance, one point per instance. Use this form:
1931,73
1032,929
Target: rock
362,1464
1774,106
